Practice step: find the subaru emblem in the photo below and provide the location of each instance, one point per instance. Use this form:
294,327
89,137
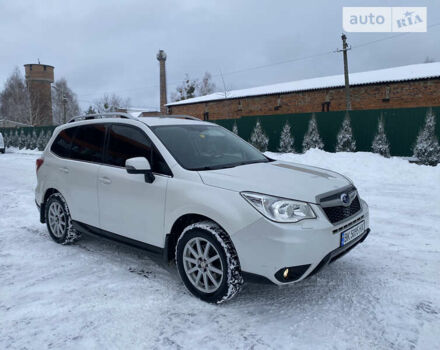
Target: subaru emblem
345,198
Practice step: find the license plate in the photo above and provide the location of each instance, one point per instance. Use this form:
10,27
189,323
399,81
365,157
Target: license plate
352,233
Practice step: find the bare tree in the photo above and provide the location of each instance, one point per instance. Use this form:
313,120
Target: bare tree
186,90
91,110
206,86
110,103
64,102
15,103
190,88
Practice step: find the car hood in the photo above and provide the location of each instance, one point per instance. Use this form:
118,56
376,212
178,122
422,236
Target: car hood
277,178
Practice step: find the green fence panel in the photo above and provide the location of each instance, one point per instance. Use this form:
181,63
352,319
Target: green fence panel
27,129
401,126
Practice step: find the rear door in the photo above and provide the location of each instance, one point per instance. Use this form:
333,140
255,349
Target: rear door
81,172
128,205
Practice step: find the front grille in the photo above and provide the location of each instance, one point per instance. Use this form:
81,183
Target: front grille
339,213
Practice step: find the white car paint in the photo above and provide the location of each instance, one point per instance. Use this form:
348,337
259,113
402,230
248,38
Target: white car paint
111,199
2,143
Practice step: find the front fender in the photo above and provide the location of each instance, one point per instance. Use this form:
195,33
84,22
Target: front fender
227,208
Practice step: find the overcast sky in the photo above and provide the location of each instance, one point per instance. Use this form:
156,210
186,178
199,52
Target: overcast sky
110,46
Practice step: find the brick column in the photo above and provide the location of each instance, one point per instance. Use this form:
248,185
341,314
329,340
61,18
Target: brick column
161,57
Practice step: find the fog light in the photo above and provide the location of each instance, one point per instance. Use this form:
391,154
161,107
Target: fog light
286,273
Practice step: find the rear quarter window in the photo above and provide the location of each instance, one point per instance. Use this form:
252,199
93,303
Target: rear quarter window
62,143
88,143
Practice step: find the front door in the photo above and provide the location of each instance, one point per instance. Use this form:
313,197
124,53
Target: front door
128,205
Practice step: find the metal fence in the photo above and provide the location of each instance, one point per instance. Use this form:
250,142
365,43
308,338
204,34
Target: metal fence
27,137
401,126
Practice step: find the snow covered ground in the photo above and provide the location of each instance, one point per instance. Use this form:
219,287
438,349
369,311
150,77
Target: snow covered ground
385,294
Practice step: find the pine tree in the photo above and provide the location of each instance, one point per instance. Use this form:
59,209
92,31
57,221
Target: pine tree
312,138
28,140
427,148
286,140
22,140
6,139
235,128
14,140
9,139
45,138
48,136
258,138
380,142
33,140
41,141
345,140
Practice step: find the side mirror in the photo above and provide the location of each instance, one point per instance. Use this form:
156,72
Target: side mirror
140,165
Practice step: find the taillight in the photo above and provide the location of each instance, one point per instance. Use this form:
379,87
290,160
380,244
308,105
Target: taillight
39,162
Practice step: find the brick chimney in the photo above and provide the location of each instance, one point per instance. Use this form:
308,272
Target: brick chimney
161,57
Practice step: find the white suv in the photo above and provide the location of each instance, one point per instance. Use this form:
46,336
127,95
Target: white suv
198,194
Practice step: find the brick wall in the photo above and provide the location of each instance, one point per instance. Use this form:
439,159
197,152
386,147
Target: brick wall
420,93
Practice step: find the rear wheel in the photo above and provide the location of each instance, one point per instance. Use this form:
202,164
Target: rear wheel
208,263
58,220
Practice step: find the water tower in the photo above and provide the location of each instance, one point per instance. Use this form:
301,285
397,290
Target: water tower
38,80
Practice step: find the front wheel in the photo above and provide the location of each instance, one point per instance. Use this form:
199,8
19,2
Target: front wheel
58,220
208,263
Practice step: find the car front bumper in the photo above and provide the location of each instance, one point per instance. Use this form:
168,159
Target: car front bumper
267,248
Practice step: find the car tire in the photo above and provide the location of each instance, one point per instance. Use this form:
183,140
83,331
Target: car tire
207,262
58,220
2,151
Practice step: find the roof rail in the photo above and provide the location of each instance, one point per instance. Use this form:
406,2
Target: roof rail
181,116
102,115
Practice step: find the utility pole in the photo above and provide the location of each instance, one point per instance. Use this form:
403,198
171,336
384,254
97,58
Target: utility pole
64,101
345,48
64,108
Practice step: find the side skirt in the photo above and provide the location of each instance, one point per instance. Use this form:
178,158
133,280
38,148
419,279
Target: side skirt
94,231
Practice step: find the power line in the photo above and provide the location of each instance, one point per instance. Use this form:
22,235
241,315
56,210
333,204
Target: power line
267,65
389,37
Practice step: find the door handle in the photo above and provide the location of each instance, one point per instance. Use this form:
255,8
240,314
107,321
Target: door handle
64,170
105,180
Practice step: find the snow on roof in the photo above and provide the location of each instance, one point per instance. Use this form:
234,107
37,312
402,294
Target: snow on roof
403,73
137,112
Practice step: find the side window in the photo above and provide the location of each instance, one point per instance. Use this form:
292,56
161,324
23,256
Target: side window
88,143
62,143
128,142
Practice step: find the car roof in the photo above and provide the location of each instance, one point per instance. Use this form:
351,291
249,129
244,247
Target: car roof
170,120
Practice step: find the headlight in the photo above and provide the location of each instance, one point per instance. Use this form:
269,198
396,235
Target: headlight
279,209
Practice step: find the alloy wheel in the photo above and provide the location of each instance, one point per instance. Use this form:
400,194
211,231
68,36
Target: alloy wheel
57,219
203,265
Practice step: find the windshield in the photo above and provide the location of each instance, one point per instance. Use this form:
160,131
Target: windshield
206,147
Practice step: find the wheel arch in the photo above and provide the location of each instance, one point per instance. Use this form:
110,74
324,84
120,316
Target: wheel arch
177,229
47,194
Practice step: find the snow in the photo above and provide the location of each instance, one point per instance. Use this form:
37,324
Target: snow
402,73
97,294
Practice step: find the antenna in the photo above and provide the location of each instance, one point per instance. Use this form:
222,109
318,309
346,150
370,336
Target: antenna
223,81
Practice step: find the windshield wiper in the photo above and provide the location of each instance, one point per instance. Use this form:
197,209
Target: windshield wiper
215,167
231,165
